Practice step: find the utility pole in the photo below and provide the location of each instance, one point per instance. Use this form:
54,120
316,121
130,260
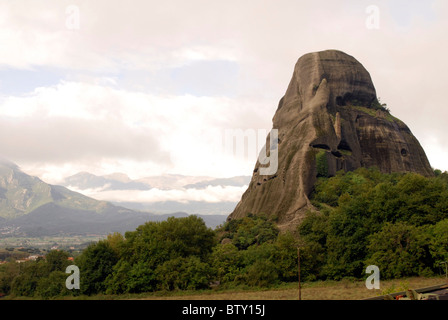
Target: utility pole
446,268
298,260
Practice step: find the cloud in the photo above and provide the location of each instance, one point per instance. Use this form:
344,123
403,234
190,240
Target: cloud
72,122
211,194
90,124
138,92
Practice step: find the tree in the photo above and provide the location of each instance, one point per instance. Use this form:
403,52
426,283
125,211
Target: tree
181,273
155,245
8,272
156,242
52,285
438,246
398,250
57,260
285,257
250,230
95,264
227,263
26,282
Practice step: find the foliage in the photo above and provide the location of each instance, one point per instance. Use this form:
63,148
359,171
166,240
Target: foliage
42,278
399,250
398,222
322,164
395,221
250,230
95,264
438,245
253,253
152,256
183,274
377,105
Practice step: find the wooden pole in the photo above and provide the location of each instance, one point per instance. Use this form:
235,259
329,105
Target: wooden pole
298,260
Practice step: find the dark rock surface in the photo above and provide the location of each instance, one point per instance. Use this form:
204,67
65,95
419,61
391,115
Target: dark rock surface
328,120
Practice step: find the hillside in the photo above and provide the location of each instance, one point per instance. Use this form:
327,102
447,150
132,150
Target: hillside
31,207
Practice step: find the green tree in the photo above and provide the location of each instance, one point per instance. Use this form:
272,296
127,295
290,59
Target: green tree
26,282
263,273
57,260
52,286
141,278
181,273
118,281
438,246
95,264
227,263
152,245
8,272
399,250
250,230
285,257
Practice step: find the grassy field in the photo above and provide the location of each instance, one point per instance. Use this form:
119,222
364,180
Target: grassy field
325,290
320,290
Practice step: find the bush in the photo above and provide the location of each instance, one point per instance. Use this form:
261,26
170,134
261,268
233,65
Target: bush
322,164
183,274
178,246
95,264
360,212
438,245
261,274
398,250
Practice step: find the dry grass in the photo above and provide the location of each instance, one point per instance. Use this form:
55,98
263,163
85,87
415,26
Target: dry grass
327,290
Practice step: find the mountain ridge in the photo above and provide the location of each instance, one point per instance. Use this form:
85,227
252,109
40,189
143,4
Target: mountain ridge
32,207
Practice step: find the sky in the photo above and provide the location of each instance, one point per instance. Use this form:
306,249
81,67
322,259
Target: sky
148,87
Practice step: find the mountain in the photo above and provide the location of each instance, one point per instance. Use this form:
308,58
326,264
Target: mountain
202,208
86,182
21,194
120,181
116,181
328,120
238,181
172,181
31,207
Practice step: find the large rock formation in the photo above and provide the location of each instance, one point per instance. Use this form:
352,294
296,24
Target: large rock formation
328,120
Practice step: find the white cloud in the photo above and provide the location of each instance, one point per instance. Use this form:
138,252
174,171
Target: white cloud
90,125
210,194
110,126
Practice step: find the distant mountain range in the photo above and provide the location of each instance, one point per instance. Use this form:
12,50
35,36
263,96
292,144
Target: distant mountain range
120,181
86,182
31,207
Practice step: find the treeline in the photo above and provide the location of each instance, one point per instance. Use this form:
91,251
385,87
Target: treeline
44,278
398,222
176,254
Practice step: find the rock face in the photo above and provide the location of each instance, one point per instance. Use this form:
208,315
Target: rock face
328,120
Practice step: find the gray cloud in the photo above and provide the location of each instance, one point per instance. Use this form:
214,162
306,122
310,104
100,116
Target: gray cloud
405,56
59,140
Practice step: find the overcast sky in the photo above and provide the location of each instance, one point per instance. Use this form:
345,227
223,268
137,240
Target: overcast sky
145,87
